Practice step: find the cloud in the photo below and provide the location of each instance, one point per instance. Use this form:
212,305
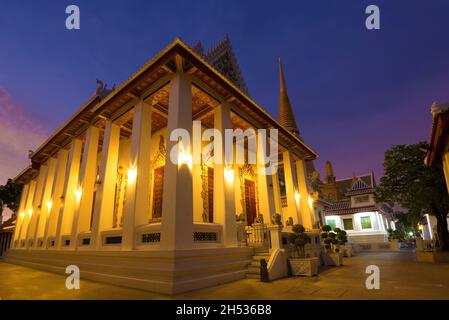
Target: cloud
19,132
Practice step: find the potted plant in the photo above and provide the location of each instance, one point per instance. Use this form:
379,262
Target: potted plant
393,236
300,265
332,255
342,239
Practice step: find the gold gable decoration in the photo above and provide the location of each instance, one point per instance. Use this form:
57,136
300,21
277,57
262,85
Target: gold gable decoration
160,157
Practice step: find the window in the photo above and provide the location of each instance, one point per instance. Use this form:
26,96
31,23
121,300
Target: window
365,222
347,224
361,199
331,223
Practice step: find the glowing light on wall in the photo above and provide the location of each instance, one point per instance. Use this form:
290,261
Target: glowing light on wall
297,197
184,158
310,201
229,175
49,204
22,214
30,212
78,194
132,174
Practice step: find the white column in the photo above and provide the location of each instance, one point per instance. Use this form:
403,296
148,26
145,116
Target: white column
86,185
57,189
307,213
137,202
36,204
46,203
177,204
291,187
277,194
104,201
264,181
224,193
69,193
28,211
21,214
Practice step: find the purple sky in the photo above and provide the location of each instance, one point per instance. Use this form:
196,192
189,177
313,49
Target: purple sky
355,92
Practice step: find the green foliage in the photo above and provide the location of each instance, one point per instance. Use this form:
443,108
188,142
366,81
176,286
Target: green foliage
341,236
10,195
298,239
326,228
394,234
419,188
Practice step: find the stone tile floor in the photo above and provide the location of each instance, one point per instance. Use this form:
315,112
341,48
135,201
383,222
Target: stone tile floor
400,278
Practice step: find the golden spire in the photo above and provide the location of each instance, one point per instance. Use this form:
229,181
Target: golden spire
286,116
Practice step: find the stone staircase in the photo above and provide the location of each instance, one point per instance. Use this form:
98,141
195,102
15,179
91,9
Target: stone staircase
254,267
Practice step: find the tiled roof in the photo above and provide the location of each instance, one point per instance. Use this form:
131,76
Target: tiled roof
348,210
363,184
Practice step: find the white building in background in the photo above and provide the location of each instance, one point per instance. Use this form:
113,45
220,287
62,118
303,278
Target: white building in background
354,209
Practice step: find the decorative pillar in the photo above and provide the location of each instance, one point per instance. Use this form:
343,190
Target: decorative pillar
65,222
104,201
37,200
264,181
291,187
275,237
86,186
21,214
46,203
137,202
57,189
177,203
307,213
224,175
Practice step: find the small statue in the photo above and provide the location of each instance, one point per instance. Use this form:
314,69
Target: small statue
240,217
276,219
259,219
102,89
289,222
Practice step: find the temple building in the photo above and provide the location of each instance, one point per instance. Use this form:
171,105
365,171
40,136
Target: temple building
102,192
349,204
354,208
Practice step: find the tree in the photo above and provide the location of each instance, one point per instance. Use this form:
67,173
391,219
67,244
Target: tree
419,188
10,195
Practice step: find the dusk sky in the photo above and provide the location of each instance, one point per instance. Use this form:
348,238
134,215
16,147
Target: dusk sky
355,91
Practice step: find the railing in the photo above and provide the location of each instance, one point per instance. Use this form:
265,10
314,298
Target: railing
257,236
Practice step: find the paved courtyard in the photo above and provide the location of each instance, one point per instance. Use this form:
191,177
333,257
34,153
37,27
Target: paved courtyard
400,278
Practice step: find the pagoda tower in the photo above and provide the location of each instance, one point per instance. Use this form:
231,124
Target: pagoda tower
286,115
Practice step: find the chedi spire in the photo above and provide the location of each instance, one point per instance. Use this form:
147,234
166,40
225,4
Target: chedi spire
286,115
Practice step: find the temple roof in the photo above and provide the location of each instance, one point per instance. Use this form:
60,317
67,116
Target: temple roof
439,132
356,185
154,76
286,115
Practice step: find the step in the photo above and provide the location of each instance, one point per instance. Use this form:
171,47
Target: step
253,269
253,276
259,257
